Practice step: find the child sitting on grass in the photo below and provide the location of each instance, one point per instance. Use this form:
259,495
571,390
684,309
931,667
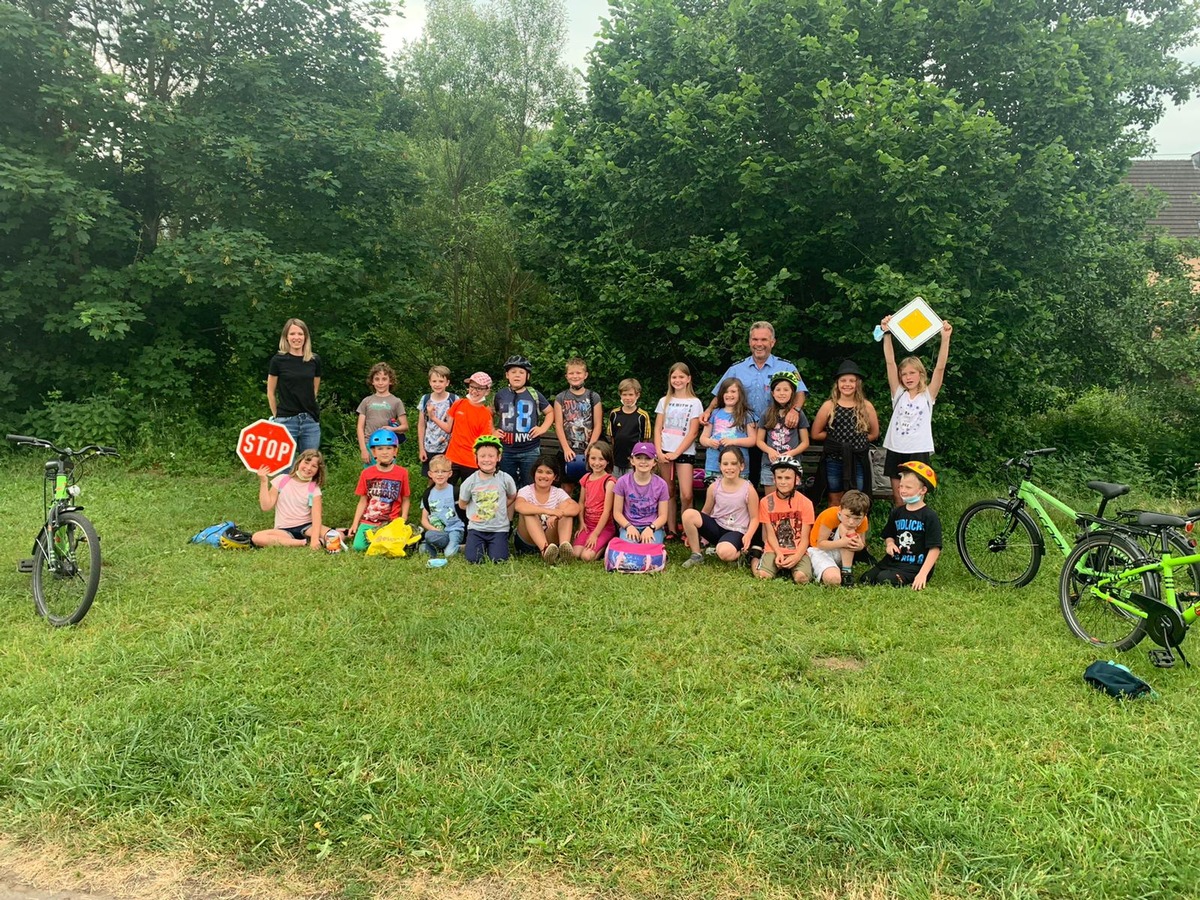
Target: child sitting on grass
730,516
444,530
840,532
640,499
545,514
383,493
787,520
296,499
913,534
487,495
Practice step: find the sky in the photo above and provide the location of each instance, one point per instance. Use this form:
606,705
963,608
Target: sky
1177,134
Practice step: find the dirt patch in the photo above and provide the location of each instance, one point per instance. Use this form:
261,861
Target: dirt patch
28,873
840,663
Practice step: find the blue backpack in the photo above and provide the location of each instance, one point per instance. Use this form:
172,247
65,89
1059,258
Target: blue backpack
212,534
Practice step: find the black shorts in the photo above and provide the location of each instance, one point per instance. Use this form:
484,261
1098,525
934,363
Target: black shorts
715,533
892,460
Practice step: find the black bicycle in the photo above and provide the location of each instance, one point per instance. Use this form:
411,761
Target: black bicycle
66,552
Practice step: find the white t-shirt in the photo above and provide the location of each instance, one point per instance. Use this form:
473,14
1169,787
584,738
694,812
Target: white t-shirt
557,497
679,414
911,428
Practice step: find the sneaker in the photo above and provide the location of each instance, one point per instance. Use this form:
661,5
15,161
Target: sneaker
694,560
710,551
550,554
566,551
847,578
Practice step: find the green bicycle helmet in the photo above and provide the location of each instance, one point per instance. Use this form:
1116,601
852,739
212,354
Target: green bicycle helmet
790,377
487,440
383,438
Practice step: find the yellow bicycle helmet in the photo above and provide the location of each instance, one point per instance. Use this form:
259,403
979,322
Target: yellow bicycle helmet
922,471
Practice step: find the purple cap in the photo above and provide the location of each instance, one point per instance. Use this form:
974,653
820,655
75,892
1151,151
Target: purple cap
483,379
643,448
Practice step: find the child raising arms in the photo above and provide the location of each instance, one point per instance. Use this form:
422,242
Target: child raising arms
730,424
910,433
296,499
676,424
846,423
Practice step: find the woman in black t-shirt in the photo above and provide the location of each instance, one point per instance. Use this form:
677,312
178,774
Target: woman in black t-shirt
295,373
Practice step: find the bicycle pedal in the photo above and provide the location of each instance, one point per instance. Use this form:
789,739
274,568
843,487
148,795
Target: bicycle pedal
25,566
1162,658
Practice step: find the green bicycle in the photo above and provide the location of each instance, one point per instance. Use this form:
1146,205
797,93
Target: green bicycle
66,552
1113,593
1001,543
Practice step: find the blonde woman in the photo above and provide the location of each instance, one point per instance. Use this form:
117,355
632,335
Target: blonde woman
293,380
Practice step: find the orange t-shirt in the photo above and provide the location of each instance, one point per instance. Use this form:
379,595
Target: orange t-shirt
787,517
470,420
829,518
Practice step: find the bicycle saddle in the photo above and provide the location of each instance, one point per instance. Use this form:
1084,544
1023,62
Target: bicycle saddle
1109,490
1160,520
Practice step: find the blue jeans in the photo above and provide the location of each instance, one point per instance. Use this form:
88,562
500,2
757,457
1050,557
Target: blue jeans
305,431
837,484
518,464
446,542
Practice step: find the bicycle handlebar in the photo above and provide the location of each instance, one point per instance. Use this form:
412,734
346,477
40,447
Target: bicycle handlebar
96,449
1026,458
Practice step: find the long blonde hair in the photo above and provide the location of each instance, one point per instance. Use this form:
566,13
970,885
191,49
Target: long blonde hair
319,478
861,422
915,363
688,390
283,342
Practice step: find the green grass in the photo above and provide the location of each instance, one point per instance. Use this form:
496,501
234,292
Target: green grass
694,733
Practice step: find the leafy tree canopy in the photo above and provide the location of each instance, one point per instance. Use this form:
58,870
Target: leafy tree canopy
819,162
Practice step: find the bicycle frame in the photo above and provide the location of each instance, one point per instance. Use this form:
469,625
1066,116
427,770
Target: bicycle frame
1165,566
1032,496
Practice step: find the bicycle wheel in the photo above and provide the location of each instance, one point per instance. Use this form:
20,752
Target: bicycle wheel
63,591
999,544
1085,606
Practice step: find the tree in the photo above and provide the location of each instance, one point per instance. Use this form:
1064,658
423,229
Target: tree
486,81
819,162
179,179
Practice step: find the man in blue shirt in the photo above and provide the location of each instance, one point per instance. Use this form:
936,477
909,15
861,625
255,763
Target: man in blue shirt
755,372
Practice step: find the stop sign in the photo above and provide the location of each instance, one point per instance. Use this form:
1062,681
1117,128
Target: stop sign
267,444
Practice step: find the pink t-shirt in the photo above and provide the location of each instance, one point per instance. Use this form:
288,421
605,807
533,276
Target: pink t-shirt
730,508
593,498
294,506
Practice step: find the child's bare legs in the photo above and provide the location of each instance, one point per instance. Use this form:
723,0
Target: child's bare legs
683,475
666,471
726,552
563,527
691,529
276,537
531,530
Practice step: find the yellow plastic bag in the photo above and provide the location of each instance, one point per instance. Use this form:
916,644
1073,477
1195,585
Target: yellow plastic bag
392,540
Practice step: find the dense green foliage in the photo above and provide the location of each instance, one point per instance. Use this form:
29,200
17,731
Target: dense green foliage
177,179
820,162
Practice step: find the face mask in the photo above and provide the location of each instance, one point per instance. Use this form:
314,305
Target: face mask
911,500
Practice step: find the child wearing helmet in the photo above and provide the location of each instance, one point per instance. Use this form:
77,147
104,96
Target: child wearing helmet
383,492
787,520
518,408
913,534
775,437
487,495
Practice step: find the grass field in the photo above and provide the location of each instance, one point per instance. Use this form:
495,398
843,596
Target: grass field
690,734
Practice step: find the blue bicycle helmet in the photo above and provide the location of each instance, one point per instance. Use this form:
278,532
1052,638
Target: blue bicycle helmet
383,438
